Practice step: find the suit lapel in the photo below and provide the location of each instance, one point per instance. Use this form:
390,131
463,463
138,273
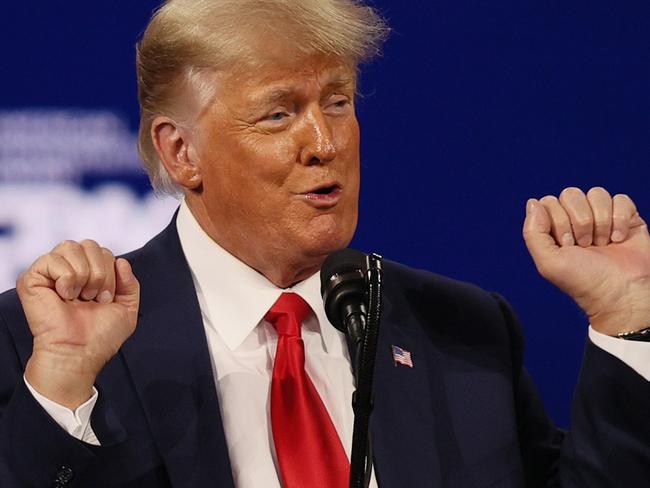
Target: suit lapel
402,423
169,362
412,433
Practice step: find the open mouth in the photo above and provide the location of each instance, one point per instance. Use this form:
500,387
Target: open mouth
325,190
324,195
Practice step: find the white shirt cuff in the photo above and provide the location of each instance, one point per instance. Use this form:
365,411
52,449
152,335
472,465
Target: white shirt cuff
636,354
77,422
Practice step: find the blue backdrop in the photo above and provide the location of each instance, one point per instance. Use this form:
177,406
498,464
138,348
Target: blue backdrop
474,107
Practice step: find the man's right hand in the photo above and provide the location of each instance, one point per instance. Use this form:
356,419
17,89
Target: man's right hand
81,305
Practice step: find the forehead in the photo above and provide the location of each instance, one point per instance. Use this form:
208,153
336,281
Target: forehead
279,77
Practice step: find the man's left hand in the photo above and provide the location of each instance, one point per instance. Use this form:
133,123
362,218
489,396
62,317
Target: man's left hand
597,250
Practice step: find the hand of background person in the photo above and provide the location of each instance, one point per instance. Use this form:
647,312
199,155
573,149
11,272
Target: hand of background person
597,250
81,305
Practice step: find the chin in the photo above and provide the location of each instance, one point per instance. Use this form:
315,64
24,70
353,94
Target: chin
329,234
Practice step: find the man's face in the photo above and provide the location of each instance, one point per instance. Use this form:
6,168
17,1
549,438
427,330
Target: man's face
278,152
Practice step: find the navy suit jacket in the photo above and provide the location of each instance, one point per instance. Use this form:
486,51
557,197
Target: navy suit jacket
466,414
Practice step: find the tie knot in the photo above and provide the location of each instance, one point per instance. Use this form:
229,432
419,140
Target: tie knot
287,314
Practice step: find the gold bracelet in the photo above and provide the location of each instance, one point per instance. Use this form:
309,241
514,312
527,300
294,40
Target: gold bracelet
636,335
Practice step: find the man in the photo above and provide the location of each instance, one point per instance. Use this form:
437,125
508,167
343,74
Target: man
162,368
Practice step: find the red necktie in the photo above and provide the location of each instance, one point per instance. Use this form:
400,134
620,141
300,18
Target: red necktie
310,453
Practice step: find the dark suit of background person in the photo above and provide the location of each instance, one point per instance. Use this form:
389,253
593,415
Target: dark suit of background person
466,415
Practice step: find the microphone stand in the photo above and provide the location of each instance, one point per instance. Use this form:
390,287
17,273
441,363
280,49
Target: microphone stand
362,399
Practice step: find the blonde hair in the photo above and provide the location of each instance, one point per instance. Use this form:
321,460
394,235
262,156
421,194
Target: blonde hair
186,38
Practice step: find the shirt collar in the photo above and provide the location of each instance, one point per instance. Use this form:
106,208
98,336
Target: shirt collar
237,297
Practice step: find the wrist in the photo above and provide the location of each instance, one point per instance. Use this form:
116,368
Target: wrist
616,323
620,309
63,380
620,327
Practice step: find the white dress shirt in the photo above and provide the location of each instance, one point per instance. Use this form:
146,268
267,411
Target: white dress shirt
234,299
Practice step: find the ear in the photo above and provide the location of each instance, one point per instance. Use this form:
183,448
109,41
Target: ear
174,147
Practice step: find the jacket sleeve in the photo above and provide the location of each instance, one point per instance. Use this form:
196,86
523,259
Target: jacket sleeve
608,444
34,450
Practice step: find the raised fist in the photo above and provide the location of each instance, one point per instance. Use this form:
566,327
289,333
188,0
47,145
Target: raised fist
596,249
81,305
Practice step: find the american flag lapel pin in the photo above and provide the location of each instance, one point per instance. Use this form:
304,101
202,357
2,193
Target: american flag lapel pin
401,356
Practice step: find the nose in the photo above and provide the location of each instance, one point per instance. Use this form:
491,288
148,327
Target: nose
317,143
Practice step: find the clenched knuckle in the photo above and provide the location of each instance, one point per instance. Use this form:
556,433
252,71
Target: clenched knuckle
596,190
107,253
562,223
602,222
88,243
570,191
582,222
99,275
548,199
69,244
83,273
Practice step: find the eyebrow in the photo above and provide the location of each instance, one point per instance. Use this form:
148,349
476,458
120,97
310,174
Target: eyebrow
283,92
275,95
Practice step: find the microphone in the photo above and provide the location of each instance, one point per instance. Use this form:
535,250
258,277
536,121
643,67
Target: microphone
343,288
351,284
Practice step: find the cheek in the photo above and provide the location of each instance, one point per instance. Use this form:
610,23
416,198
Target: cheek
348,143
266,162
251,169
350,133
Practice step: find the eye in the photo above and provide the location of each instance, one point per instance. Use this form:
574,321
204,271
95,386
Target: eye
277,116
338,104
277,119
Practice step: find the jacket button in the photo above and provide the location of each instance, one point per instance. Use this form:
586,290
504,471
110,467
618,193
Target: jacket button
63,476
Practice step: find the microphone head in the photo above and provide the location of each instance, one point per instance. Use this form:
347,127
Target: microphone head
343,282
